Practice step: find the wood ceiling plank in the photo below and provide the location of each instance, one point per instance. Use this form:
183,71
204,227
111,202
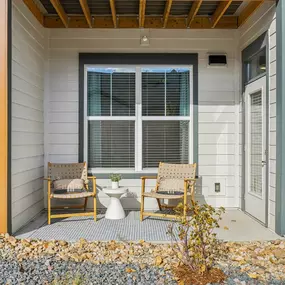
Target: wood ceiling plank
86,12
226,22
229,22
103,22
193,11
142,13
35,10
220,11
248,11
60,11
114,14
166,12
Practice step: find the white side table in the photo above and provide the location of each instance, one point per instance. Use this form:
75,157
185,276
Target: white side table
115,210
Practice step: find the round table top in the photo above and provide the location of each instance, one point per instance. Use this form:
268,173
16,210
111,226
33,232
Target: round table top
120,190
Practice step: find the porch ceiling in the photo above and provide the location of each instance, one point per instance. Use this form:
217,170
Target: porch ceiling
170,14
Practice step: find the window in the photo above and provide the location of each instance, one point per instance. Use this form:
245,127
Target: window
256,65
137,117
165,93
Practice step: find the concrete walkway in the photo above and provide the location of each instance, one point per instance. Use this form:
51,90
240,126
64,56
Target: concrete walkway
240,226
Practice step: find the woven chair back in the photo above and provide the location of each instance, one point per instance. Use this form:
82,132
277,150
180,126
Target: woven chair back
171,176
58,171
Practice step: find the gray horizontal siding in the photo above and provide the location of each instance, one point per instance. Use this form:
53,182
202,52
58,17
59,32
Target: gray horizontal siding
217,107
27,116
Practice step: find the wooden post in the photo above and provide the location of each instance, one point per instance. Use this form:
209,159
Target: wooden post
4,134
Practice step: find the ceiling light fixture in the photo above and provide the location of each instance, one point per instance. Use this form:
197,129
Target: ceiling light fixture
144,41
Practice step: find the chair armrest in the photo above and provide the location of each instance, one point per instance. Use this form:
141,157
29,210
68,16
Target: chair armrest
190,180
143,178
148,177
91,177
47,178
93,182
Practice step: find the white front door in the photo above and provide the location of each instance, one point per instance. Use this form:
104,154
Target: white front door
255,149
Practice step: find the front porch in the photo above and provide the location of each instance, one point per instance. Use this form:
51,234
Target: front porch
235,226
101,91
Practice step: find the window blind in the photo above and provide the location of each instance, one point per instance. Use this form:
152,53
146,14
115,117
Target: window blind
99,94
256,142
111,144
166,141
111,94
165,93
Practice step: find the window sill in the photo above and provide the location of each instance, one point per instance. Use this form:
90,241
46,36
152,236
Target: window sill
125,175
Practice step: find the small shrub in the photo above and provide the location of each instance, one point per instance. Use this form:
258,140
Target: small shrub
115,177
197,246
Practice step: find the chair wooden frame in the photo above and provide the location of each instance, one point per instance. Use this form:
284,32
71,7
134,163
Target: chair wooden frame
82,206
189,183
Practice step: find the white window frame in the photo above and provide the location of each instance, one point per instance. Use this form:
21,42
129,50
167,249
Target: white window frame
138,118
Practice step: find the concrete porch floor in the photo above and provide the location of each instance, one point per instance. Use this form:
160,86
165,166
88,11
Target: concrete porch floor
241,228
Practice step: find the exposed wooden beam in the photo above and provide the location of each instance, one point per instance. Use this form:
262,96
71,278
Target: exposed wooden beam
35,10
142,13
248,11
226,22
114,14
86,11
166,12
60,11
220,11
4,122
193,11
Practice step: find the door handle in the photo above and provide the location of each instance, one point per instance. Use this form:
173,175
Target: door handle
263,162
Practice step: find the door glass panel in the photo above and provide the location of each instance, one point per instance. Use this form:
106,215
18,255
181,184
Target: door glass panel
256,143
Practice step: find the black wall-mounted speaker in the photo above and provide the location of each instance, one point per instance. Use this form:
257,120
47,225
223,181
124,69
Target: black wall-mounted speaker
217,59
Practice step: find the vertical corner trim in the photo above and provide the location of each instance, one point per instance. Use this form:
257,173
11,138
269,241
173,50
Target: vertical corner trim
280,120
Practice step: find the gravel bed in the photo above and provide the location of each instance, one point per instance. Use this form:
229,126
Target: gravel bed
55,272
54,262
50,271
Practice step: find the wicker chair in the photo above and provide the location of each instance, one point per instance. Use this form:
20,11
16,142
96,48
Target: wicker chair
69,181
172,182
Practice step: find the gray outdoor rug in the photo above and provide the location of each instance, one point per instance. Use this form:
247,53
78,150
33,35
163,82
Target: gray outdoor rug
130,228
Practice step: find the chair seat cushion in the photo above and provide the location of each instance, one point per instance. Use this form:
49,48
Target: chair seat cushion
171,193
68,184
162,195
171,185
72,195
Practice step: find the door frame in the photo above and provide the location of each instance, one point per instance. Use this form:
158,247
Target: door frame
254,87
262,42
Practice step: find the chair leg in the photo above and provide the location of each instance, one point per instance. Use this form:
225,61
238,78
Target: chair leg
85,203
185,201
142,208
184,210
95,208
49,210
159,204
49,200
